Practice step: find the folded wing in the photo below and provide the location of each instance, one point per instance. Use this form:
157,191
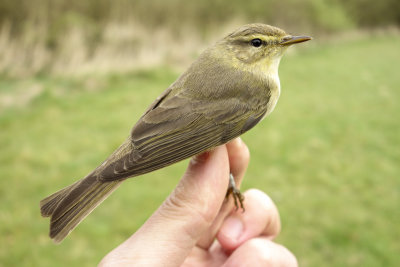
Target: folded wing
175,128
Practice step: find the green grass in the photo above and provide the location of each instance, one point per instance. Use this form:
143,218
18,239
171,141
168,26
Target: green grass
329,156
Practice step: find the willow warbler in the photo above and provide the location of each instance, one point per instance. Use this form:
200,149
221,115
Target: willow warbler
232,86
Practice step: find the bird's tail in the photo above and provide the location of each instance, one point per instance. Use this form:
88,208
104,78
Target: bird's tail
69,206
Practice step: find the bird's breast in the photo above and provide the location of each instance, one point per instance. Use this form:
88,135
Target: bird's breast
275,91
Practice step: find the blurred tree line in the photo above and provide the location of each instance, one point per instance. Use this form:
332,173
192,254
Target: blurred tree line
48,22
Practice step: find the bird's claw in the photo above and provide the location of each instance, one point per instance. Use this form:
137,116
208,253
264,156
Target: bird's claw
238,197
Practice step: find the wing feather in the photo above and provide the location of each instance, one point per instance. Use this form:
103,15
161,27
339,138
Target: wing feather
164,142
187,120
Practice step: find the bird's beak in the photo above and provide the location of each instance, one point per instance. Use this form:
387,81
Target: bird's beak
289,40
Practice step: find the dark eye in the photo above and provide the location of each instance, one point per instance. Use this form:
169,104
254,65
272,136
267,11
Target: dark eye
256,42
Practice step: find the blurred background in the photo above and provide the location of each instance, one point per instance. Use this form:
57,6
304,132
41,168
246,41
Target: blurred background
76,75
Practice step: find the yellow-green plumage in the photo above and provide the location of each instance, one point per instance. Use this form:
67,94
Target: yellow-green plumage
224,93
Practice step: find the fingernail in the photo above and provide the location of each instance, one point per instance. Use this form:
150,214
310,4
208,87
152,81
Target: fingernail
232,228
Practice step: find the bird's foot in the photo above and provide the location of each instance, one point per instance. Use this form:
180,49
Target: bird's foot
238,197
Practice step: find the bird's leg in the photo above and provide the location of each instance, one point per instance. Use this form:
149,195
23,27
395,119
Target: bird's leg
237,196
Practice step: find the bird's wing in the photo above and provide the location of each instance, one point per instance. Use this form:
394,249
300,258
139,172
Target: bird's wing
176,127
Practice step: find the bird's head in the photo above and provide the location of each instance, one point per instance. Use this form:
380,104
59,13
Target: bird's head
256,47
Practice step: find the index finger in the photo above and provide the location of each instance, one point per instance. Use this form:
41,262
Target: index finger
239,157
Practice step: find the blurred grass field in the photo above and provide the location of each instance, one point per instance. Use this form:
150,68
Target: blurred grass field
328,155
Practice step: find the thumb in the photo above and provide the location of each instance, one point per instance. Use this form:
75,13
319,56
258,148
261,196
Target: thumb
170,234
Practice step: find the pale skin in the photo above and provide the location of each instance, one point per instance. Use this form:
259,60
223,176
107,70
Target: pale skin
196,226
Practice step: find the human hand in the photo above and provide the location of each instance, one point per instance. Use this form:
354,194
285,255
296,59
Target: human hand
195,226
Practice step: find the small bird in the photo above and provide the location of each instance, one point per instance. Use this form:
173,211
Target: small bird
232,86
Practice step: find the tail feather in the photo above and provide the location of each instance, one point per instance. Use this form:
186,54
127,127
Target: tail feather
69,206
50,203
